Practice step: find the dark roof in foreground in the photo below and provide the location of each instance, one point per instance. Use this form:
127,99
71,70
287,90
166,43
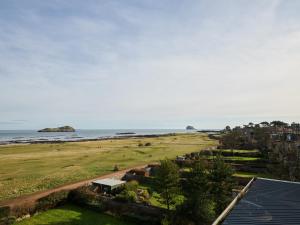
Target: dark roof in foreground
268,202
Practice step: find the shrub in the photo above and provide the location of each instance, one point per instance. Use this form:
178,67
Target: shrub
85,197
140,145
131,185
145,194
4,211
7,220
116,168
52,200
148,144
127,196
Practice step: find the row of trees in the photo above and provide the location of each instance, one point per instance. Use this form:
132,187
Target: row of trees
207,191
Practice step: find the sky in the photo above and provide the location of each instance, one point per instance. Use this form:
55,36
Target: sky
148,64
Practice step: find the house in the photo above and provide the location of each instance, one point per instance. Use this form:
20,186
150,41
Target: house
145,172
180,158
153,168
138,174
108,185
264,202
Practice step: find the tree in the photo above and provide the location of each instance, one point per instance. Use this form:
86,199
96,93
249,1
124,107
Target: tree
222,183
198,205
278,123
168,182
129,193
227,128
265,124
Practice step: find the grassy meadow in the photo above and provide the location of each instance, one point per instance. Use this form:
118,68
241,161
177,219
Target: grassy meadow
28,168
72,215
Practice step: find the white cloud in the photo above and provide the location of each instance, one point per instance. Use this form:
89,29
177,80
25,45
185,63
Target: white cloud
126,64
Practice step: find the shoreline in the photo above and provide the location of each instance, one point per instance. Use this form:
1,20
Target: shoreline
20,142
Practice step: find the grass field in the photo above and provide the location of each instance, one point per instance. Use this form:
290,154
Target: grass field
239,151
237,158
29,168
72,215
250,175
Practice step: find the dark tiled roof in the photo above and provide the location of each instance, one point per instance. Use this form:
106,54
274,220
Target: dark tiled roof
268,202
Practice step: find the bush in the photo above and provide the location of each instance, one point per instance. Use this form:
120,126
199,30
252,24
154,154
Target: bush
83,196
7,220
145,194
140,145
52,200
127,196
131,186
148,144
4,211
116,168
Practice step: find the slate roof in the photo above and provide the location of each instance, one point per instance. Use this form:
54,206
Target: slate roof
268,202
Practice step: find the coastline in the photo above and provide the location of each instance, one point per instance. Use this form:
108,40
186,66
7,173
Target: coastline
117,137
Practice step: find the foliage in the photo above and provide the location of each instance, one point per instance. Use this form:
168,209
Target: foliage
116,168
7,220
131,185
277,141
129,193
166,221
168,182
127,196
222,183
52,200
198,207
85,197
4,211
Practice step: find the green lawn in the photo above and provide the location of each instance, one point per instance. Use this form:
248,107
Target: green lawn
237,158
72,215
29,168
155,198
250,175
239,151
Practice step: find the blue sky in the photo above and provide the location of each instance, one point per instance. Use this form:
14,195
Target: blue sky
148,64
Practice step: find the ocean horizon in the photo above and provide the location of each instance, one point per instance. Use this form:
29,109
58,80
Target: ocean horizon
28,136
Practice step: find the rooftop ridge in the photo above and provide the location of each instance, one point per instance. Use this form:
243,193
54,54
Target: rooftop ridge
276,180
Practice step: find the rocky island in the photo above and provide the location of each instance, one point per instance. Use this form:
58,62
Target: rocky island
58,129
190,128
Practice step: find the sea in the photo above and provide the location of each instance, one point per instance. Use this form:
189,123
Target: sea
30,136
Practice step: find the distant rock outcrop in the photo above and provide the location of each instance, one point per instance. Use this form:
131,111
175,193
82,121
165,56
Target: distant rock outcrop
190,128
58,129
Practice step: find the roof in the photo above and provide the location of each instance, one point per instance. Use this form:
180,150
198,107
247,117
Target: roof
268,202
109,182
